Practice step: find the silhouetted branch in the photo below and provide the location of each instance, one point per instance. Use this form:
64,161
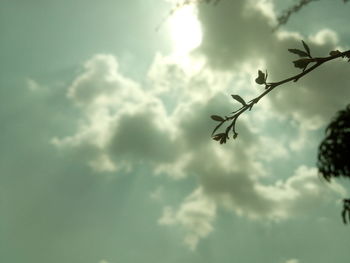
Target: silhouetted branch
284,17
303,63
286,14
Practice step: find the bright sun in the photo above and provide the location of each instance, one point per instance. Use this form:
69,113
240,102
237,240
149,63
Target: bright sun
185,30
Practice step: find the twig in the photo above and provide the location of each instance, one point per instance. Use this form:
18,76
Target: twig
301,63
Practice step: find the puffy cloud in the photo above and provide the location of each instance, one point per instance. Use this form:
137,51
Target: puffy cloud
235,32
101,84
301,194
120,123
196,215
245,37
167,127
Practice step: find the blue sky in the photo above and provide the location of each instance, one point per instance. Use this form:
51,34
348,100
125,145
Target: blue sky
106,154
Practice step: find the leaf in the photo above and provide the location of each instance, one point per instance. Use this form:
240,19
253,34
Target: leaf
221,137
217,127
334,53
301,63
239,99
217,118
218,136
306,47
261,79
298,52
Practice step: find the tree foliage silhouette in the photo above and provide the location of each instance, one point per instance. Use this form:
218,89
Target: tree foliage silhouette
334,150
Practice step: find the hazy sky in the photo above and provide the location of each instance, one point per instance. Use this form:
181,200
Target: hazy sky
106,155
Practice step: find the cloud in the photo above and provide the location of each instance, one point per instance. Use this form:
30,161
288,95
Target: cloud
123,127
235,32
101,84
33,85
196,215
120,124
302,194
164,123
293,260
246,37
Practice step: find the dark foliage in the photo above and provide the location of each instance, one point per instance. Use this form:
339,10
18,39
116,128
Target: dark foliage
334,151
346,210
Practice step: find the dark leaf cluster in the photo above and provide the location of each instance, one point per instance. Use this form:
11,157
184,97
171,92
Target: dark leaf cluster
334,150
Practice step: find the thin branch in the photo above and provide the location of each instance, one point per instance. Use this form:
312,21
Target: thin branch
287,13
318,61
284,17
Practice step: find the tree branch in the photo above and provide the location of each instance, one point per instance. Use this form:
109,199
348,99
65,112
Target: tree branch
269,86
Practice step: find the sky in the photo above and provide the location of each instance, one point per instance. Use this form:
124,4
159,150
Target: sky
106,153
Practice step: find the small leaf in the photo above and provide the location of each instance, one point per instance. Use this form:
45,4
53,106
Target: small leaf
298,52
306,48
235,135
217,127
261,79
223,139
217,118
334,53
239,99
301,63
218,136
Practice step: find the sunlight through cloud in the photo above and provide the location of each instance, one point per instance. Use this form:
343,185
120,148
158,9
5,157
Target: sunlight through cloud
185,30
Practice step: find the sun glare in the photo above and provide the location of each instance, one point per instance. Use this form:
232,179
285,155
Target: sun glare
185,30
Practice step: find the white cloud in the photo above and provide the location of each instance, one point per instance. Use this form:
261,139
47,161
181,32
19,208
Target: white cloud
32,84
101,84
167,125
293,260
196,214
313,99
121,124
103,163
301,193
123,131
